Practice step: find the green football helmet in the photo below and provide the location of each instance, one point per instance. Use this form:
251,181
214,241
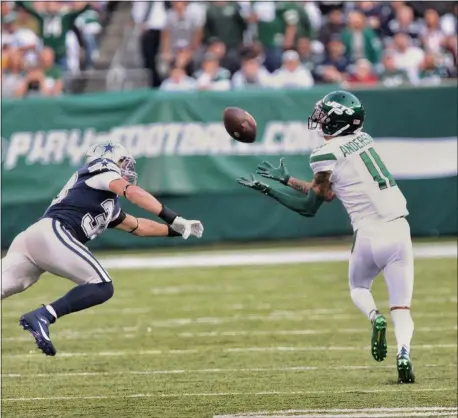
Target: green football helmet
338,113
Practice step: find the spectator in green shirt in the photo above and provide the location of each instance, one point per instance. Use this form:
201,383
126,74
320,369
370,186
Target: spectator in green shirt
360,40
277,24
391,76
224,22
54,25
89,25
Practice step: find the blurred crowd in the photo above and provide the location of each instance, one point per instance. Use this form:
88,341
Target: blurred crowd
44,40
220,45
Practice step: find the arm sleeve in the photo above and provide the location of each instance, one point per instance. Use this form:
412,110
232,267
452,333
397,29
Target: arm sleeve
305,205
117,219
102,181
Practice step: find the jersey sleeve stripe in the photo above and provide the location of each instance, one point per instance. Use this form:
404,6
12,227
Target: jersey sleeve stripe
322,157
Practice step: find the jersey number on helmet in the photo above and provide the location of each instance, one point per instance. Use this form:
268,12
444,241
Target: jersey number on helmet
95,226
377,169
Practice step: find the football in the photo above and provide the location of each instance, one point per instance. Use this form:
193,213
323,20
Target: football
239,124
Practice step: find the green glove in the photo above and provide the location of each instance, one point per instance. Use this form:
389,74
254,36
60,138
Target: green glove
275,173
253,184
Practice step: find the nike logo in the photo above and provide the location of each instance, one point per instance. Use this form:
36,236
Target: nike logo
43,333
43,320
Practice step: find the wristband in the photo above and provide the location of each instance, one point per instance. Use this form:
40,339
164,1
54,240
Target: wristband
167,215
125,190
172,232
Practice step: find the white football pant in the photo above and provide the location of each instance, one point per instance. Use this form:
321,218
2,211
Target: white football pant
48,246
385,247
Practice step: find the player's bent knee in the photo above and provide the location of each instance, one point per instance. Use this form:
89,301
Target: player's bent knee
105,291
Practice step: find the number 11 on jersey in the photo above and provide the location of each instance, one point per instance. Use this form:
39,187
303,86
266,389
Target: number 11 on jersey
377,169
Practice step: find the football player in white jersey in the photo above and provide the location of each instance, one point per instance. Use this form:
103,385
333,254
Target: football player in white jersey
348,166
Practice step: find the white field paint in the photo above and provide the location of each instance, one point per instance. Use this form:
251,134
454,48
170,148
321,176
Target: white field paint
135,332
297,369
138,310
297,332
284,349
217,394
410,414
350,412
363,412
276,315
260,257
17,308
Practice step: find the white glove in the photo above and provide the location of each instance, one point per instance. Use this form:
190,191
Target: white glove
187,228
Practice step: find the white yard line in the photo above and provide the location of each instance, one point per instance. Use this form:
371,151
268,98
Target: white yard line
399,414
275,315
328,348
133,332
142,310
363,412
298,369
217,394
297,332
259,257
284,349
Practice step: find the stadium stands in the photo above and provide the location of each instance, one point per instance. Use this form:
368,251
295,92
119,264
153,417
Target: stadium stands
223,45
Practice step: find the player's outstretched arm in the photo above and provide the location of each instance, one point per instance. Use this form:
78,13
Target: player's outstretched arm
142,227
306,205
145,200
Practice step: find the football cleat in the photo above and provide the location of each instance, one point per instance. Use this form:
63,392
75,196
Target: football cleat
405,368
37,323
378,340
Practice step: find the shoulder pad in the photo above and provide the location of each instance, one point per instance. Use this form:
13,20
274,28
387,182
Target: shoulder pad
102,165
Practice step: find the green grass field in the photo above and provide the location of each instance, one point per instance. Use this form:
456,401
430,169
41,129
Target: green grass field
204,342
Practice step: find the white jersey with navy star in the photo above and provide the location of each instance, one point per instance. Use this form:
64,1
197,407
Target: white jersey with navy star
85,205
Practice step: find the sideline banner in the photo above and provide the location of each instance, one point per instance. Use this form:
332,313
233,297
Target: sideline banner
183,151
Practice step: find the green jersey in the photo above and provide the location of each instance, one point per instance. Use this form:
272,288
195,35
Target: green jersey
53,28
225,23
273,18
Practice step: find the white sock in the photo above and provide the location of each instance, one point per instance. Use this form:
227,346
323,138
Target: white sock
363,299
51,310
403,327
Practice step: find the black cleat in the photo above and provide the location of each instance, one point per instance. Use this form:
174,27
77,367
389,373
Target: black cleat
37,324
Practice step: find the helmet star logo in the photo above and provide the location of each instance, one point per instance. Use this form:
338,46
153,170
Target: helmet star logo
108,148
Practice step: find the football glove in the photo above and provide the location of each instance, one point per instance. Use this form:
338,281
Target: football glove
187,228
279,173
253,184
